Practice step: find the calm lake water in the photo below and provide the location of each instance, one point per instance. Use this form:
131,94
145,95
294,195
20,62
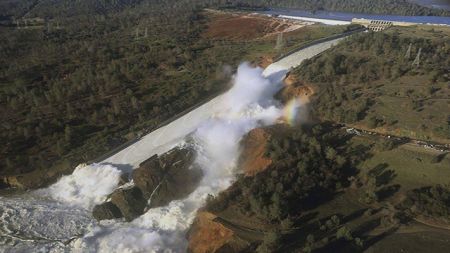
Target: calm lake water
347,16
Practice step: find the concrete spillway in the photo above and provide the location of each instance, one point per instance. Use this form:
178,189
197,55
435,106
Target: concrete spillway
295,59
58,218
164,138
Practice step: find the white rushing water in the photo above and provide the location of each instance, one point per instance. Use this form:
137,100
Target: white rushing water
248,104
58,218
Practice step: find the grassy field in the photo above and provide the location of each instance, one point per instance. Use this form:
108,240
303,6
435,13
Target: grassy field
347,221
371,82
415,238
412,166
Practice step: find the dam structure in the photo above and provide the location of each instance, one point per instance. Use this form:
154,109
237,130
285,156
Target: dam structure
380,25
45,222
163,139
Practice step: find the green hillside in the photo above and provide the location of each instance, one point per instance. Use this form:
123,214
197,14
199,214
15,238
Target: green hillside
372,81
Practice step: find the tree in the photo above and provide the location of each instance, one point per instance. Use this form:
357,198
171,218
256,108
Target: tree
310,239
372,122
359,242
344,232
286,223
270,242
385,145
331,153
335,219
68,133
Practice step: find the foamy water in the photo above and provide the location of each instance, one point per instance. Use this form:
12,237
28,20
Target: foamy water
86,187
247,105
58,218
31,223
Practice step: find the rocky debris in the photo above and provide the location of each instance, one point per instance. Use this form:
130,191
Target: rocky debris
106,211
158,181
124,179
11,182
130,202
169,177
148,176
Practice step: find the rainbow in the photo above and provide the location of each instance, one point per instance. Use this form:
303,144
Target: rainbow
290,111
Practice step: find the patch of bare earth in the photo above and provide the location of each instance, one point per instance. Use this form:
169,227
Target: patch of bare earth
253,159
206,235
265,61
238,26
293,88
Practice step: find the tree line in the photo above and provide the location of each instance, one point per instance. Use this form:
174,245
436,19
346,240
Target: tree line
353,78
87,82
401,7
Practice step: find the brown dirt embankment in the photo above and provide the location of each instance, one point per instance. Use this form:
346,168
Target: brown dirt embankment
206,235
294,88
253,159
244,27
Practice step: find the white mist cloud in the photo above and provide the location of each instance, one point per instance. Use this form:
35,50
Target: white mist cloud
250,87
87,186
248,104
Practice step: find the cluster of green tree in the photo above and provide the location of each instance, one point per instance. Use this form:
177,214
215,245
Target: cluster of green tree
62,8
307,167
429,201
13,9
378,56
399,7
354,78
310,164
83,84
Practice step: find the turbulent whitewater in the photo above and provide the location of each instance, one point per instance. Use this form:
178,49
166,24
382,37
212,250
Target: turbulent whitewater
60,214
58,218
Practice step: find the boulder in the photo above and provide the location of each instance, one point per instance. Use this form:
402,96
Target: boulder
130,202
168,177
178,183
157,181
124,179
106,211
148,176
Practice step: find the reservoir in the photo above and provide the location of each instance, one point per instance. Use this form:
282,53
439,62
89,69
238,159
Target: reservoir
347,16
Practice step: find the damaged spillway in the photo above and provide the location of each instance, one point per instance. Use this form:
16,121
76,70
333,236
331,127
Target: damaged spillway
158,181
147,195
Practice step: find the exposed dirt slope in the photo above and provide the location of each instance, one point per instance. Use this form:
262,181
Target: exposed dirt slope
247,26
253,159
206,235
293,88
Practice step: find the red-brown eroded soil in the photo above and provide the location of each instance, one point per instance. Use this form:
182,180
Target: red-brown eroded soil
246,26
206,235
253,159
